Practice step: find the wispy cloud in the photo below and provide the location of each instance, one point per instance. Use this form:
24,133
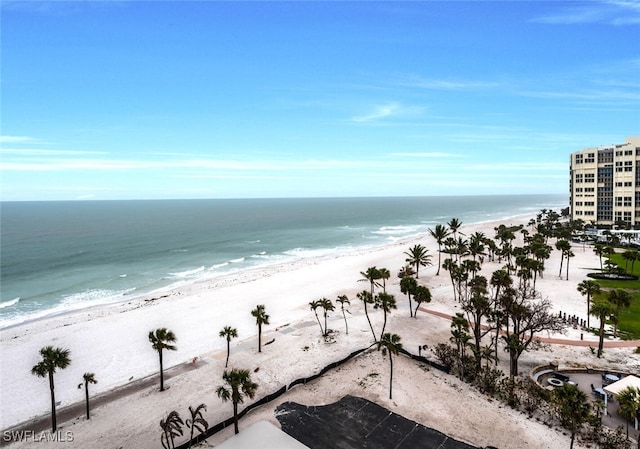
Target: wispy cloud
385,111
612,12
419,82
18,139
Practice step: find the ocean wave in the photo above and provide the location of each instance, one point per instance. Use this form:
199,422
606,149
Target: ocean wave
6,304
238,260
253,241
304,253
400,229
218,265
188,273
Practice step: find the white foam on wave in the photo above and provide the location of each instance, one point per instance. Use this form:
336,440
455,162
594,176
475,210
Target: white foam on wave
218,265
10,303
308,253
69,303
398,230
188,273
238,260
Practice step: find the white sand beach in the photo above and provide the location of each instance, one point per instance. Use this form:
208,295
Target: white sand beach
112,342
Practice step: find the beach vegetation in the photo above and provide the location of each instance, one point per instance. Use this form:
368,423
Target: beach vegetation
390,343
314,305
162,339
171,429
262,318
629,405
602,309
385,302
439,233
327,306
572,407
228,333
367,298
418,257
238,385
52,359
385,274
406,271
421,295
196,421
621,299
460,337
408,287
371,275
342,300
588,288
87,378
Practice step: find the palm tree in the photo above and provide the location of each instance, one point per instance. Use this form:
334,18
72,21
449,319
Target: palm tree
417,255
52,359
572,406
371,275
602,309
422,294
240,384
568,254
314,306
440,233
367,298
171,428
87,378
563,246
228,332
261,318
327,307
408,287
384,275
454,224
386,302
342,300
620,299
598,248
588,288
160,339
629,401
390,343
197,421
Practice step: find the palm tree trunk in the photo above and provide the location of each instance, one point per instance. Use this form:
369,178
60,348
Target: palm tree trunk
390,376
410,307
384,323
86,396
319,324
601,342
369,320
54,425
259,338
346,326
161,371
326,329
439,257
235,417
588,310
228,351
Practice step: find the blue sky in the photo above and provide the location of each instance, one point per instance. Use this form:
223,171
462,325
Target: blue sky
208,99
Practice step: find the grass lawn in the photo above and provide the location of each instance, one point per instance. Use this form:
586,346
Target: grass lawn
629,322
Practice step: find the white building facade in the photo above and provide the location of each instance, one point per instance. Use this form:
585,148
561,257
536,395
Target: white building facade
605,184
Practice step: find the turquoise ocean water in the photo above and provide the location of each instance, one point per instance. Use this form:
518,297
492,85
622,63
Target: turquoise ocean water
62,256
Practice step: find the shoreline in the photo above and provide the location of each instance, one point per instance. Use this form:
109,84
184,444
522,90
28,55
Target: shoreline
245,274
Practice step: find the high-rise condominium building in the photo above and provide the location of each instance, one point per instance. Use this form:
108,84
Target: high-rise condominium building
605,184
